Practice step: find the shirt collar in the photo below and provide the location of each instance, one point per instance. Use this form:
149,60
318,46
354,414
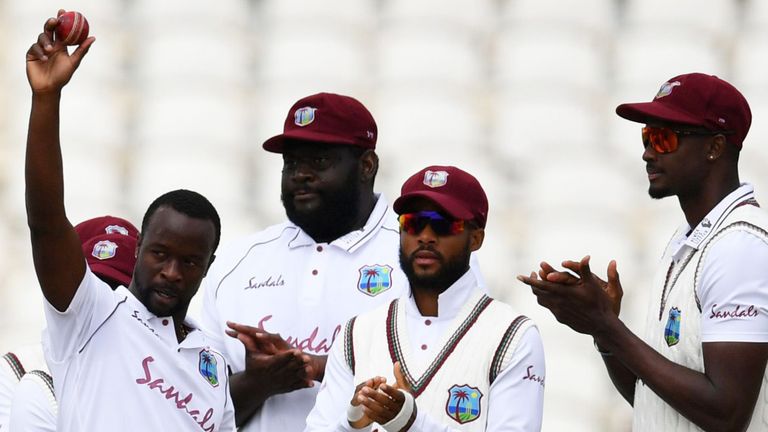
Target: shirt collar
451,301
195,338
352,240
712,220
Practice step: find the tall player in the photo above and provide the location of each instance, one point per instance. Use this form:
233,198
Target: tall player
293,285
127,359
302,279
701,360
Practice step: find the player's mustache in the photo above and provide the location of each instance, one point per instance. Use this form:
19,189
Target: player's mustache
427,248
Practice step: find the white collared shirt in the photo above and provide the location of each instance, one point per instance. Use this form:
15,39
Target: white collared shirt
280,279
733,288
118,367
515,403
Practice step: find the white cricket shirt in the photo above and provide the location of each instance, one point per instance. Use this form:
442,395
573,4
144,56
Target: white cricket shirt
118,367
281,280
733,286
516,397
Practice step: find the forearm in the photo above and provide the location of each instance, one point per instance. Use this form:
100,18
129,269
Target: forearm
623,379
247,397
689,392
318,367
43,166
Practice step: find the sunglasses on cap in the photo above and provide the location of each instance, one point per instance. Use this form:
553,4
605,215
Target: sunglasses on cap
414,223
667,140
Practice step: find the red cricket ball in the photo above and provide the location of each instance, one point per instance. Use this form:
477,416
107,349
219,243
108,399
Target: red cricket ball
72,28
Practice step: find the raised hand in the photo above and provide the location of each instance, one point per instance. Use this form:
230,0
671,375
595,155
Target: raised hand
382,402
612,287
582,301
50,66
370,385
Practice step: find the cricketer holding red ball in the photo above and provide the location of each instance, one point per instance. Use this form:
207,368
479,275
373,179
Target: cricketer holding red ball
128,359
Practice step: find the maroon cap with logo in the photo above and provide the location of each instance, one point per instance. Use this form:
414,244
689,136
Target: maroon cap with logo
102,225
696,99
112,256
455,191
327,118
109,247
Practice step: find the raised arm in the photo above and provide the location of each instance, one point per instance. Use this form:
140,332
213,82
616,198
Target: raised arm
56,251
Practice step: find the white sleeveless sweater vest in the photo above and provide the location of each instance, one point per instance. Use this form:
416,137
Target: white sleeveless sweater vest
453,387
675,299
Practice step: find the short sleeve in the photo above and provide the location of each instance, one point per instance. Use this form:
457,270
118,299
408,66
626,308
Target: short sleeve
67,331
733,289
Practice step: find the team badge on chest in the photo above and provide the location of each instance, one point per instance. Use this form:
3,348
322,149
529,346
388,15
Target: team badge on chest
208,367
463,403
374,279
672,329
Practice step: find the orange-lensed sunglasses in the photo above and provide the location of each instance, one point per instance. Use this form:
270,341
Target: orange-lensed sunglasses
666,140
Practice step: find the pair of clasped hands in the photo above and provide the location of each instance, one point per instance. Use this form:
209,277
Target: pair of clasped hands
287,368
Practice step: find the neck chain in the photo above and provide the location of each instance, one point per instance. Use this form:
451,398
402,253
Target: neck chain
184,331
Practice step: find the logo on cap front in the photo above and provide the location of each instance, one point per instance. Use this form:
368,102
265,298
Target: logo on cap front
435,179
116,229
666,89
304,116
104,250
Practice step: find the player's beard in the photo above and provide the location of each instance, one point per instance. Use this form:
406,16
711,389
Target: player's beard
145,297
658,193
450,271
335,216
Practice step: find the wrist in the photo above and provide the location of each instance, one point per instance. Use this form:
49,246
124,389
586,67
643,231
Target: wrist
404,419
46,95
318,366
603,352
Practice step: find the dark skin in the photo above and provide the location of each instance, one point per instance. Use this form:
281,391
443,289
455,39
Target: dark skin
700,173
57,255
173,255
381,402
314,171
58,258
311,172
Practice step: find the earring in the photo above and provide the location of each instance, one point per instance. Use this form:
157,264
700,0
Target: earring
711,157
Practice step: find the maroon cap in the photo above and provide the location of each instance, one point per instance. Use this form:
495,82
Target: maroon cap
112,256
696,99
109,246
455,191
327,118
102,225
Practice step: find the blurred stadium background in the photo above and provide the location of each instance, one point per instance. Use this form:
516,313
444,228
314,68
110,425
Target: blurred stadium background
181,93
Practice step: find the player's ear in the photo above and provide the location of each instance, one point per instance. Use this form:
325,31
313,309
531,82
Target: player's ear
210,262
138,246
369,166
476,237
716,146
